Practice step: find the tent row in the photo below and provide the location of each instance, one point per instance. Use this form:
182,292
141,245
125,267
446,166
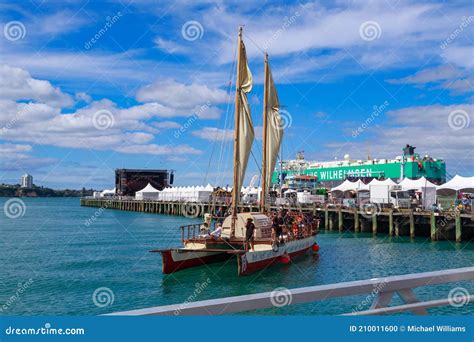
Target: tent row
184,193
458,183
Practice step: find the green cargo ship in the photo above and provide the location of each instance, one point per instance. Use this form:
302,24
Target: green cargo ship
409,164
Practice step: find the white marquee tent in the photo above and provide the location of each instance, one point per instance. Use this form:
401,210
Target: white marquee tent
187,193
107,193
147,193
350,186
458,183
388,182
416,184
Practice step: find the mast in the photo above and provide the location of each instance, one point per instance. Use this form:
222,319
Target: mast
237,165
281,170
265,136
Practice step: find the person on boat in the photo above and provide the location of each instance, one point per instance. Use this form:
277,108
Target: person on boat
276,230
204,229
217,232
220,215
249,232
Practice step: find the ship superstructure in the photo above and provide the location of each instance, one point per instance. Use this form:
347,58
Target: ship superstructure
409,164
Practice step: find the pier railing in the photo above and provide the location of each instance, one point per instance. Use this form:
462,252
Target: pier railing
381,290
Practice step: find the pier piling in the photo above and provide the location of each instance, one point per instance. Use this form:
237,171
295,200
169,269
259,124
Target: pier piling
374,224
340,219
433,227
457,223
390,222
412,224
356,220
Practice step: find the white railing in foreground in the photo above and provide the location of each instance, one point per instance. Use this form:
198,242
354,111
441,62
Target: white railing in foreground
380,289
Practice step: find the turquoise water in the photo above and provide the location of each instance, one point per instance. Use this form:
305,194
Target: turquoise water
59,261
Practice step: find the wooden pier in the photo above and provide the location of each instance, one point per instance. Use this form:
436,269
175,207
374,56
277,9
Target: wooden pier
452,226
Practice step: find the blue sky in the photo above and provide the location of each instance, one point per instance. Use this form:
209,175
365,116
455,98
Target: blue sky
87,87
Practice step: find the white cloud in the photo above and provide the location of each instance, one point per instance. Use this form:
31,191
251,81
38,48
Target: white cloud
58,23
462,56
429,75
169,46
213,134
44,123
166,124
429,128
17,84
178,95
18,158
81,96
455,79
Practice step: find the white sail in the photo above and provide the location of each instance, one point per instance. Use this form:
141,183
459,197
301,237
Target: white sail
246,134
274,130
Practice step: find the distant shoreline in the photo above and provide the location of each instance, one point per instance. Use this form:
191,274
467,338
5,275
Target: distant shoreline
16,190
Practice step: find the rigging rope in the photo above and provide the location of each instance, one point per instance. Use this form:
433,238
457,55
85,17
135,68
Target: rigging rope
224,140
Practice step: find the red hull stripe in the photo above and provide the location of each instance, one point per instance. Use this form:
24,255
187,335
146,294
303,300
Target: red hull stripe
259,265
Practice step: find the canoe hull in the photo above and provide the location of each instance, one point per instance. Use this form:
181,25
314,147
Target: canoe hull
253,261
175,260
